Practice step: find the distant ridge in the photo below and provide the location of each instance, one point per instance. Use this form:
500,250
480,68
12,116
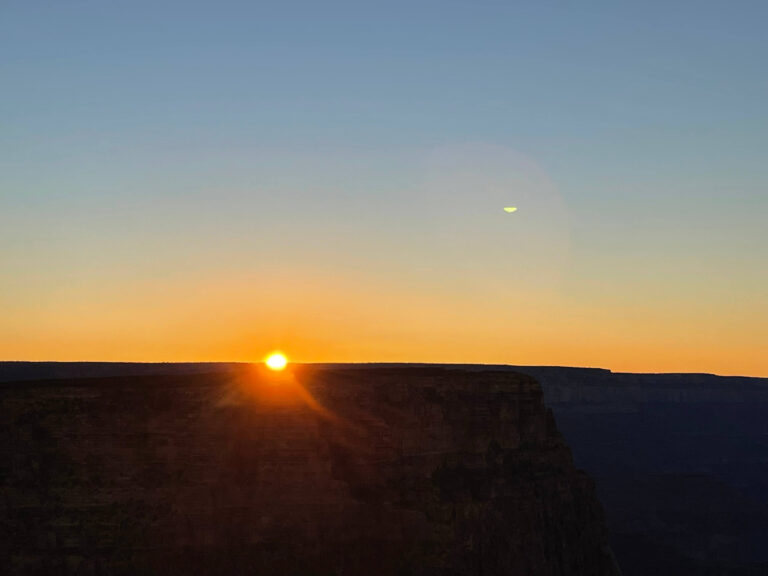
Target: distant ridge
11,371
18,371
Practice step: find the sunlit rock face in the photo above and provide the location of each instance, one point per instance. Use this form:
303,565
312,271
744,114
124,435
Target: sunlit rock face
324,471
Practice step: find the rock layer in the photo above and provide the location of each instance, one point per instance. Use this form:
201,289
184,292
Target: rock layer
315,471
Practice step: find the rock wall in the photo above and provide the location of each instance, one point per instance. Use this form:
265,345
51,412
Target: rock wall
680,463
315,471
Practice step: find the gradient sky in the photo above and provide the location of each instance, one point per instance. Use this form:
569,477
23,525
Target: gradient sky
209,181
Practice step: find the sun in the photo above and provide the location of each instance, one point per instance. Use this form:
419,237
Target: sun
276,361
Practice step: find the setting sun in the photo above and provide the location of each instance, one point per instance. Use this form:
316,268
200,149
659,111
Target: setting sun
276,361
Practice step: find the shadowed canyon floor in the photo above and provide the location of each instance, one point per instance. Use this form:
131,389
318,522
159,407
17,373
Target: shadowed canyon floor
313,471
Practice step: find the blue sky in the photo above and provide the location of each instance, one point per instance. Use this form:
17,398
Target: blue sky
195,135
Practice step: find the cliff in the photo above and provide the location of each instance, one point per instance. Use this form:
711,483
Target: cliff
680,463
320,471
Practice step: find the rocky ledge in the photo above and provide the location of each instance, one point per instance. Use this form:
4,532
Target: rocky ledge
310,471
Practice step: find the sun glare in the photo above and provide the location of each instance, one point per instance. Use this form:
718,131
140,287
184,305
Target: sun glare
276,361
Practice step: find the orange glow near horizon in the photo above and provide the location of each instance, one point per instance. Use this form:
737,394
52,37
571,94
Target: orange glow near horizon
276,361
444,277
352,319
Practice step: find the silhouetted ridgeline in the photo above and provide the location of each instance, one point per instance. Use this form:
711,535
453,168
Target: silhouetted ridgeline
17,371
680,460
322,471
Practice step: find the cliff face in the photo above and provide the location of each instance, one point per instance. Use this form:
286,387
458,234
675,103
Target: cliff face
680,462
379,471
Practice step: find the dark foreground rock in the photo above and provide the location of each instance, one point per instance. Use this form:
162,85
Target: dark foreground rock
322,471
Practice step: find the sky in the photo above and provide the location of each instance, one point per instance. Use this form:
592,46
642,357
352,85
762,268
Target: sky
188,181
